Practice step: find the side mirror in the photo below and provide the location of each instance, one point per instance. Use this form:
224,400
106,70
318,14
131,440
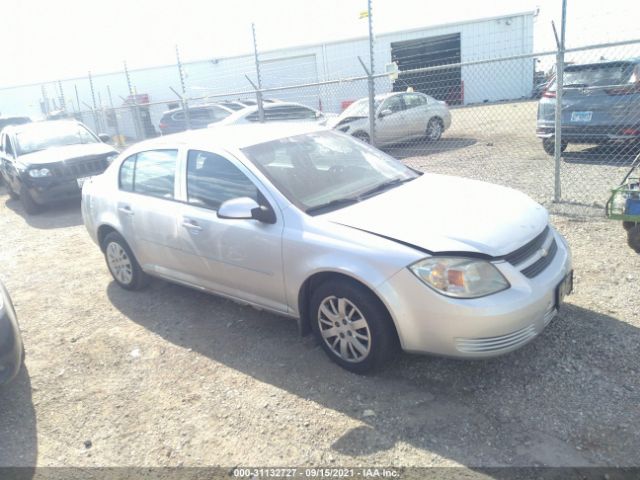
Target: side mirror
104,137
245,208
384,113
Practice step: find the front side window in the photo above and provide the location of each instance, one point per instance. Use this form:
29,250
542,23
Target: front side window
322,170
150,173
212,180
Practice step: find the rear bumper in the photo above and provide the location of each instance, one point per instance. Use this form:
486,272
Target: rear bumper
591,134
10,340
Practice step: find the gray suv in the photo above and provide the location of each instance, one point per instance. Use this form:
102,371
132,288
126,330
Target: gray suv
600,104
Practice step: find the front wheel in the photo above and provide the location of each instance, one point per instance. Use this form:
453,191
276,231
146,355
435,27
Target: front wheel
353,326
364,137
434,129
122,264
28,203
549,145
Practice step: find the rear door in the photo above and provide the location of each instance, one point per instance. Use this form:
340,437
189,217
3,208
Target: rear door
416,114
148,210
240,258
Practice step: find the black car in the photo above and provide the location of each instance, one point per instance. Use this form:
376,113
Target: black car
600,104
11,351
44,162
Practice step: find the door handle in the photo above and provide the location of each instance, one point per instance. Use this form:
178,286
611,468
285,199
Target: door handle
126,210
191,225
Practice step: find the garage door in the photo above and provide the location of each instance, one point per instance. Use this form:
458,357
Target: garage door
428,52
281,72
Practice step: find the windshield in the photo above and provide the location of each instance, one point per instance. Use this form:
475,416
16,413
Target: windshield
359,108
598,75
37,137
321,171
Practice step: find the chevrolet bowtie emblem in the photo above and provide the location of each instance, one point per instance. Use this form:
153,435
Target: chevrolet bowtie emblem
544,252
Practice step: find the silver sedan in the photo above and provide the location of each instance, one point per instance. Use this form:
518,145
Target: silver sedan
306,222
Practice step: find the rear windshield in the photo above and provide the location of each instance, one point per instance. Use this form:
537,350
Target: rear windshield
598,75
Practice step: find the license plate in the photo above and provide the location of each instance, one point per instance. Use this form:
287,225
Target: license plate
564,288
581,116
81,181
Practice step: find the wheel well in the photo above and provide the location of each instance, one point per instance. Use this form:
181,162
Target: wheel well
103,231
437,119
360,133
304,297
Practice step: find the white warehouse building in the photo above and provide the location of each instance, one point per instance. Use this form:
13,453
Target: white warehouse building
455,43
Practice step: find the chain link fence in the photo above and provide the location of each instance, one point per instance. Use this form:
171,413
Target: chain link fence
489,118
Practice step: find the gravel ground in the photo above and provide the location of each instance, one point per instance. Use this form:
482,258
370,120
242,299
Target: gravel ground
173,377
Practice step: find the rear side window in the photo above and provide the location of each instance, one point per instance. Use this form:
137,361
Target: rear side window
150,173
212,180
412,100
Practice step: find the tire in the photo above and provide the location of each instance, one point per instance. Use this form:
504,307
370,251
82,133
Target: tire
13,195
363,137
122,263
28,203
628,225
549,145
365,338
434,130
633,238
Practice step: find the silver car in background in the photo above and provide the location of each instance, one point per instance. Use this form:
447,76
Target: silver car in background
399,117
275,112
309,223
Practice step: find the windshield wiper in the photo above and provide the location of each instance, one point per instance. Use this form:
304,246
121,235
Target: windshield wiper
384,186
333,204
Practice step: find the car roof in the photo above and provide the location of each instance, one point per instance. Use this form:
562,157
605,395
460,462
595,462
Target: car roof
232,137
195,107
602,63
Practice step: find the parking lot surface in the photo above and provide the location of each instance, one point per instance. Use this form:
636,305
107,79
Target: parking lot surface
171,376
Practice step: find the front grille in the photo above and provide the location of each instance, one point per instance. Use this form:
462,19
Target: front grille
80,168
520,255
536,255
538,266
496,344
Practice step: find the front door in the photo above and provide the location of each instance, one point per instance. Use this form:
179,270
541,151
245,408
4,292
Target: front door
240,258
391,127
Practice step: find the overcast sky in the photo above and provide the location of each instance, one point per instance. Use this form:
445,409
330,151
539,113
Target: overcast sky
46,40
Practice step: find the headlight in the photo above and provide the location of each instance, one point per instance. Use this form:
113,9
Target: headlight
460,277
39,172
111,158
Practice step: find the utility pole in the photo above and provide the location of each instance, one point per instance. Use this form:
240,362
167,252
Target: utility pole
63,103
259,91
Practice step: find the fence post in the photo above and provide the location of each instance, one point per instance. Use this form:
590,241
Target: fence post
183,97
370,80
557,150
259,88
115,117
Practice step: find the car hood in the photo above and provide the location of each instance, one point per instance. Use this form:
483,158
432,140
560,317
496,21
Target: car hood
66,152
441,213
342,120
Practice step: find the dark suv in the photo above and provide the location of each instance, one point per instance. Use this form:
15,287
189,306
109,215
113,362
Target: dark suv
43,162
600,104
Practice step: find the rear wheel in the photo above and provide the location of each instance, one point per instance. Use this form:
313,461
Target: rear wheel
122,264
633,237
628,225
353,326
434,129
549,145
28,203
